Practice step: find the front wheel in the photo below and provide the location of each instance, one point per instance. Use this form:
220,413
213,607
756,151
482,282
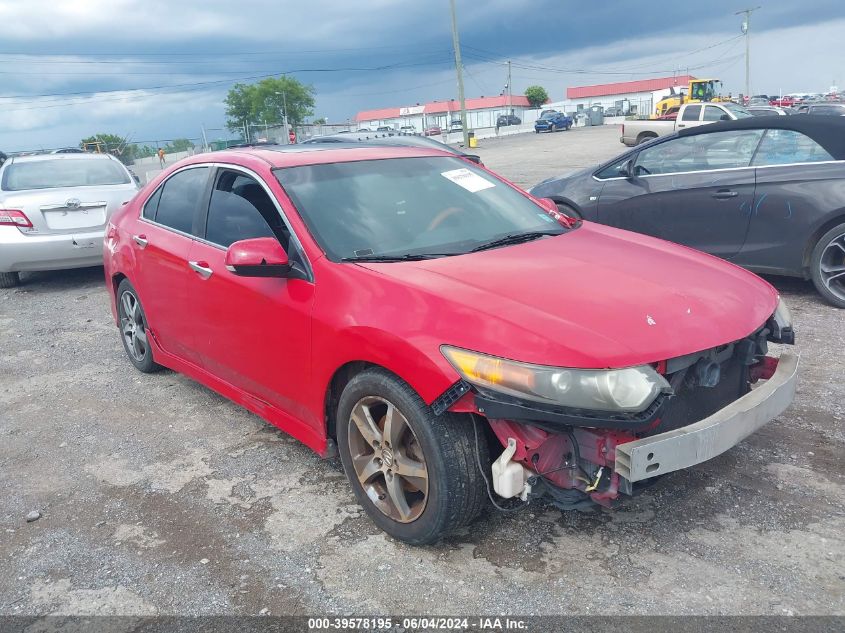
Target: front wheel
827,266
9,280
414,473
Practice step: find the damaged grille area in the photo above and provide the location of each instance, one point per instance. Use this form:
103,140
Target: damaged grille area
703,388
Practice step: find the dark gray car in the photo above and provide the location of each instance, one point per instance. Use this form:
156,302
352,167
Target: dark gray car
767,193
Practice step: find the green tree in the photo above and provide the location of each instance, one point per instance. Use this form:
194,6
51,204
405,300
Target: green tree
265,101
179,145
320,121
113,144
536,96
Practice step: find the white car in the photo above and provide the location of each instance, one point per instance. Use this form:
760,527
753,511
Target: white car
54,209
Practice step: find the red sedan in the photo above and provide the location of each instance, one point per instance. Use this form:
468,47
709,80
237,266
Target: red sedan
422,317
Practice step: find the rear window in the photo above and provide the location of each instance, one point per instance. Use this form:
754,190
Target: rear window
63,172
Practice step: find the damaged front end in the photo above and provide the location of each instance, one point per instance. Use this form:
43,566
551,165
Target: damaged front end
698,406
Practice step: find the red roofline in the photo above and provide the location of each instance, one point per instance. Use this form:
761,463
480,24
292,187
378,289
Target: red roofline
442,107
624,87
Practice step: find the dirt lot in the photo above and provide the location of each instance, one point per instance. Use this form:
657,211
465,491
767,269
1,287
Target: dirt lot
158,496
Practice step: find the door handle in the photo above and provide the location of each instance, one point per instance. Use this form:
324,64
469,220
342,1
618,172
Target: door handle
201,268
140,240
682,125
724,194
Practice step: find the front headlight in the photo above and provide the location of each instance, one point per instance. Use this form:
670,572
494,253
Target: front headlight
631,389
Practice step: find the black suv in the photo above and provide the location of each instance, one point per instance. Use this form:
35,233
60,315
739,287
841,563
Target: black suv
507,119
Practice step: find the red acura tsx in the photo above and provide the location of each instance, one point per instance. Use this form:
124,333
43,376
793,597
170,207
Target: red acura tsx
456,340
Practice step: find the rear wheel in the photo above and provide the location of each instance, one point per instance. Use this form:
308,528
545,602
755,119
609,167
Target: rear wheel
827,266
9,280
133,328
413,472
645,138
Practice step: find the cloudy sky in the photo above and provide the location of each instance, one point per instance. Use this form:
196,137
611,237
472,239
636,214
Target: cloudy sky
155,70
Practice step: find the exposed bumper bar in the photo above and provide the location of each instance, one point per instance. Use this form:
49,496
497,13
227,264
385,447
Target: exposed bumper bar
712,436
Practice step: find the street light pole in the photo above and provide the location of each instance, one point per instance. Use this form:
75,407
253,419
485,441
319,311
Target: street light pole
746,29
456,43
285,116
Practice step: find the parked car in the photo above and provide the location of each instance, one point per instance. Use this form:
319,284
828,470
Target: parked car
53,210
827,109
614,111
402,140
407,129
455,125
768,110
689,115
433,130
552,122
785,101
401,307
767,193
503,120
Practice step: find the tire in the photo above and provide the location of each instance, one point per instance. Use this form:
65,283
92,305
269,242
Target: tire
452,491
133,329
567,210
10,280
645,139
827,266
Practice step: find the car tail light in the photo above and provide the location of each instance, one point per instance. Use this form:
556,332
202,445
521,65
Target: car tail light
13,217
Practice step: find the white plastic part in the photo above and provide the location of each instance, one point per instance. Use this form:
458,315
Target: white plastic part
509,477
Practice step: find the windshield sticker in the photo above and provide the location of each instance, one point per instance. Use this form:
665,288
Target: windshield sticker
470,181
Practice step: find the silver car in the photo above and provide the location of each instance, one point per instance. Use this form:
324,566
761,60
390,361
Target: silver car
54,208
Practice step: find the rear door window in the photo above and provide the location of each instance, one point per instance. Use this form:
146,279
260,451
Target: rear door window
179,199
691,113
780,147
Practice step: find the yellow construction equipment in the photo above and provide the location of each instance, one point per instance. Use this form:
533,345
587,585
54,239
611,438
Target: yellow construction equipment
698,90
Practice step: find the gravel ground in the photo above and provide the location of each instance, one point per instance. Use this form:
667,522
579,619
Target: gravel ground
158,496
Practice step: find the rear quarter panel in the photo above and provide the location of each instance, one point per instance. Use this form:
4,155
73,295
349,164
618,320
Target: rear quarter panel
791,205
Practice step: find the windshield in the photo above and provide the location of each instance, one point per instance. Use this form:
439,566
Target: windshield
548,115
62,172
408,206
738,111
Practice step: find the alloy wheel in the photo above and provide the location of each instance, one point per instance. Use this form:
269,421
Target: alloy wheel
388,459
832,266
133,327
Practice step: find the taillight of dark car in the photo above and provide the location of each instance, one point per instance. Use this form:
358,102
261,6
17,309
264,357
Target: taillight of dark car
13,217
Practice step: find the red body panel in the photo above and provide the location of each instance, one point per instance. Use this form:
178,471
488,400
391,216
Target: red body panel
595,297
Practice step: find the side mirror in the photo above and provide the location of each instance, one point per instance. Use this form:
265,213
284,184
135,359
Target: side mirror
627,170
258,257
725,117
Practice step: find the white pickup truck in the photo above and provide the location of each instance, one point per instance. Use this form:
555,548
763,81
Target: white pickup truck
690,115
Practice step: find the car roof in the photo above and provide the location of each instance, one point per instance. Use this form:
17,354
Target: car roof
30,158
321,153
827,131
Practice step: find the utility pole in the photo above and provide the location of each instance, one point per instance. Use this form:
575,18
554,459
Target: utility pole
456,43
285,116
746,29
510,92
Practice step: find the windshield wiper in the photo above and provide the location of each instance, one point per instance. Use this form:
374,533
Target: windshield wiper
513,238
410,257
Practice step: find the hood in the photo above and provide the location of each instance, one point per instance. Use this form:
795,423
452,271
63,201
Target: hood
559,181
595,297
